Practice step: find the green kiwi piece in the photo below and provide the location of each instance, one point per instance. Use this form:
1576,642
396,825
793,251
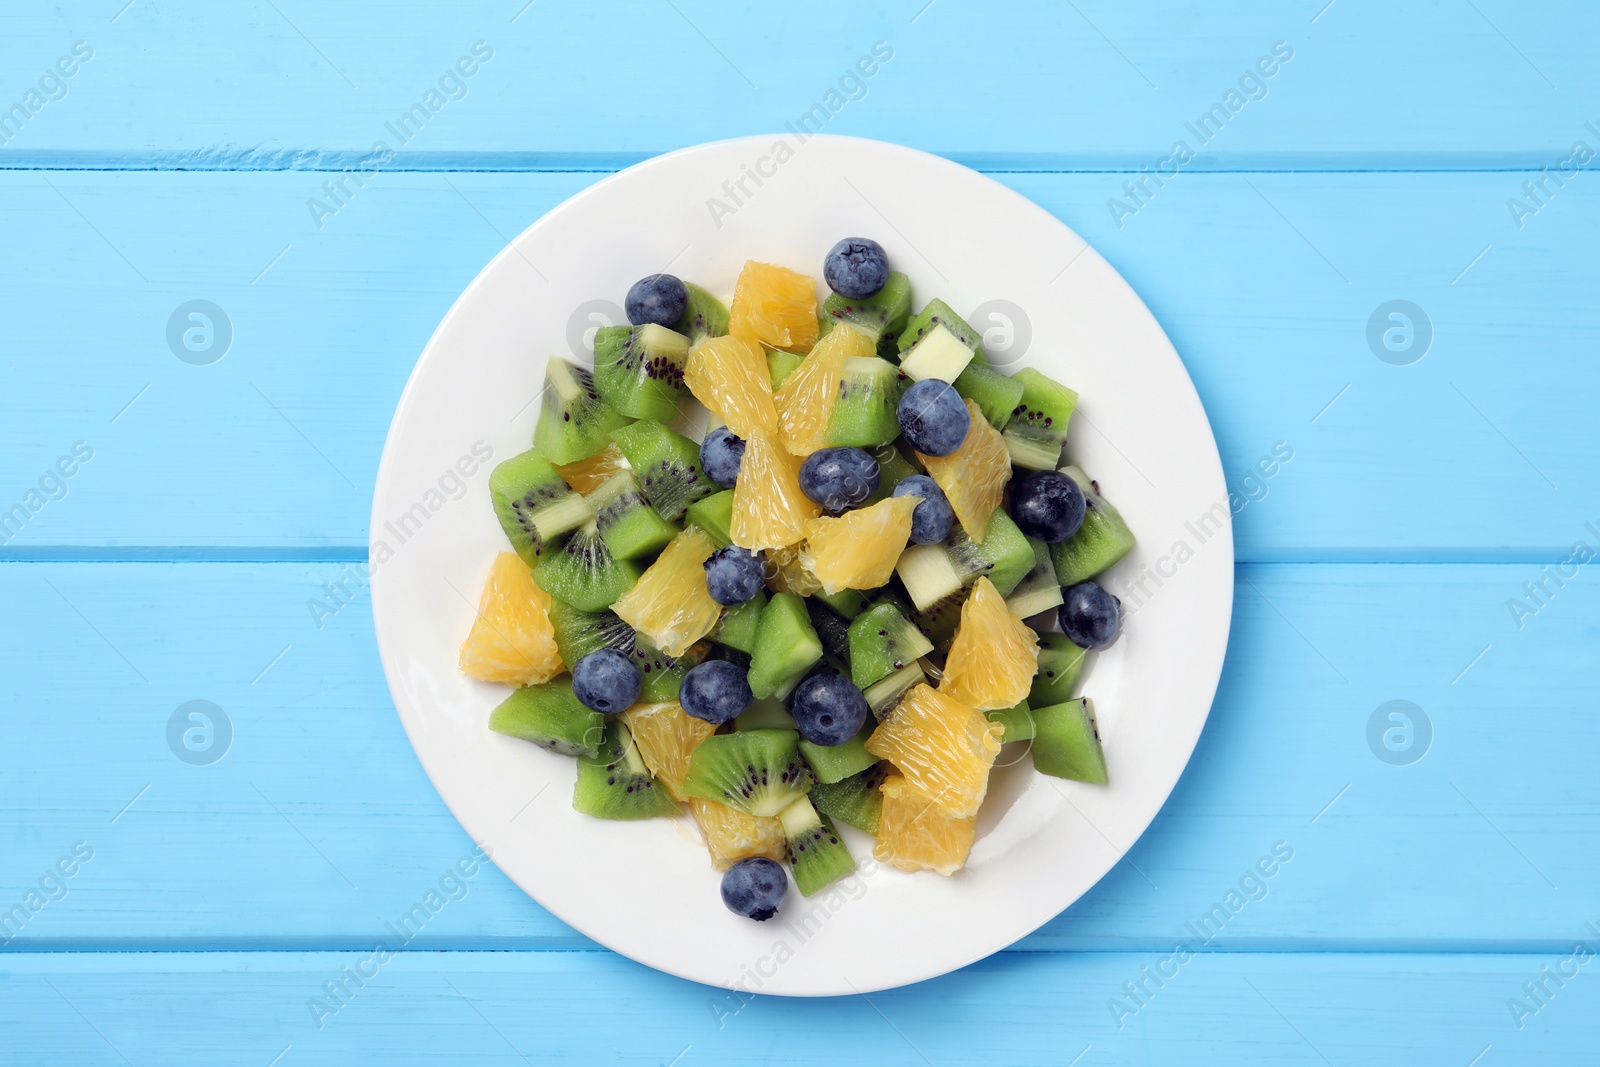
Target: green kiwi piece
1038,427
667,464
663,674
533,504
758,772
615,784
786,645
883,641
573,421
855,801
885,312
706,316
1005,556
551,717
1066,742
846,603
865,413
1060,663
1038,591
638,370
628,525
1101,541
833,632
831,763
780,365
938,313
884,694
894,466
579,633
583,572
714,515
738,625
1018,722
997,395
816,855
938,621
767,713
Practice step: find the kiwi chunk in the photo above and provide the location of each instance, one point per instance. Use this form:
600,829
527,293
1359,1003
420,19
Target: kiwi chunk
1005,555
854,801
738,626
1038,591
865,413
584,573
1038,427
831,763
883,641
883,313
833,632
1066,742
638,370
780,365
551,717
816,855
893,467
663,674
628,525
615,784
938,313
759,772
706,316
1018,722
714,515
765,714
884,694
846,603
938,621
579,633
786,645
1101,541
1060,663
574,422
667,465
997,395
533,504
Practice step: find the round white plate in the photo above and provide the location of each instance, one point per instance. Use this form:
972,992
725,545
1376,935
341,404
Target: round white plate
647,890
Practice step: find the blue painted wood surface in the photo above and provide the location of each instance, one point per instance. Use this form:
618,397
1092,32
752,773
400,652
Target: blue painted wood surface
1379,162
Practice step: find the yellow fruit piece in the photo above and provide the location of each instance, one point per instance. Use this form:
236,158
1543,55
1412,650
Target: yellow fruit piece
729,376
667,736
788,572
669,603
916,834
769,510
774,305
858,550
805,402
590,473
943,747
732,835
974,476
512,640
994,656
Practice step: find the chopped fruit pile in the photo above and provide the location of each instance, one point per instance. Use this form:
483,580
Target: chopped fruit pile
833,610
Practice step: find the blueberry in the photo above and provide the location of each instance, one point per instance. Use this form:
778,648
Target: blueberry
754,888
720,456
856,267
932,519
839,478
828,710
606,681
1090,616
933,417
660,299
734,574
717,691
1046,506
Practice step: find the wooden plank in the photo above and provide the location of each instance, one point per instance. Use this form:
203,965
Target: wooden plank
318,826
1266,284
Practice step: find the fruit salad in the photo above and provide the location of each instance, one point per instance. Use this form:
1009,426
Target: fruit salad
870,573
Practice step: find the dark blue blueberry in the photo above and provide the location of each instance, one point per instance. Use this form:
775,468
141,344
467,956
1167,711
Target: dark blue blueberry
660,299
839,478
734,574
931,521
1047,506
720,456
828,710
933,417
717,691
1090,616
606,681
856,267
754,888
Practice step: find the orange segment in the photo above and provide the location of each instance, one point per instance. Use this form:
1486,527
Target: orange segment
943,747
729,376
667,736
858,550
994,656
774,305
512,640
590,473
806,399
916,834
974,476
769,510
670,604
732,835
788,573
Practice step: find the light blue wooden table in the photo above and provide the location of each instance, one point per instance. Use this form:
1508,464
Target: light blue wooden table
1424,544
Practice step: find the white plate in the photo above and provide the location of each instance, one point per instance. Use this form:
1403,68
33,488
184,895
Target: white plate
647,889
